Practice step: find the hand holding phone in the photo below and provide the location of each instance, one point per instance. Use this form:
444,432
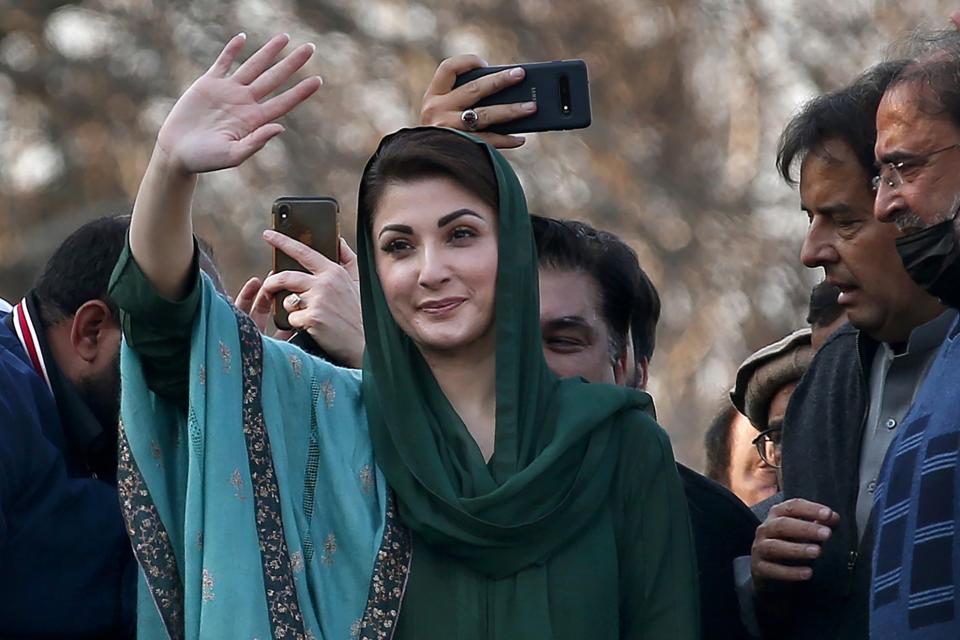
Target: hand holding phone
312,221
443,104
494,102
560,89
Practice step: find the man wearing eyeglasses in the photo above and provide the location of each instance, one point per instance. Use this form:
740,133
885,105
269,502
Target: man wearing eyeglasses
809,564
765,383
915,591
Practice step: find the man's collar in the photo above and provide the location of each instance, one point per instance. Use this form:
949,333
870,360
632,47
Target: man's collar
85,436
931,334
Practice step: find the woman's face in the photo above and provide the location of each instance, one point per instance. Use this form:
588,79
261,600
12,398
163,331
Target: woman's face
436,255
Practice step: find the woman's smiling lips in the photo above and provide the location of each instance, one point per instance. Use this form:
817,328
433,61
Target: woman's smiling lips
440,307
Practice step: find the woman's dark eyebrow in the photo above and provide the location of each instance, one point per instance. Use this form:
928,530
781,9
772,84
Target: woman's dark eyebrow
399,228
450,217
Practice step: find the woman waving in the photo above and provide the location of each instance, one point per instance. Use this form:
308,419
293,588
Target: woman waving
452,489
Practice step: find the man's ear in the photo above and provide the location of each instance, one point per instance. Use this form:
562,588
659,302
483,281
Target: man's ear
643,373
88,329
620,367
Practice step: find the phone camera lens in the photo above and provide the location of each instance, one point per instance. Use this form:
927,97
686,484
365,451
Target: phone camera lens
565,95
283,211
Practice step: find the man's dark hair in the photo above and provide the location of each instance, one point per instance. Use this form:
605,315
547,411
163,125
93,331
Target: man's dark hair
717,442
935,68
824,307
569,245
573,245
79,270
847,114
646,300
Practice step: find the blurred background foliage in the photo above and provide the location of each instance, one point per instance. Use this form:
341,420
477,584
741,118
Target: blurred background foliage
689,97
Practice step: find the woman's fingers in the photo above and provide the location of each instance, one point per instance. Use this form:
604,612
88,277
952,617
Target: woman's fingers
501,141
486,116
307,257
443,106
465,96
446,74
255,302
221,67
279,73
247,294
253,142
284,103
348,260
295,281
261,60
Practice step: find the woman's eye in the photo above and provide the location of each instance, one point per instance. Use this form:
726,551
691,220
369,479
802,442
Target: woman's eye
462,233
396,245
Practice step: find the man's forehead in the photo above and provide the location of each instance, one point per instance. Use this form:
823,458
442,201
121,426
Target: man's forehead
568,293
903,124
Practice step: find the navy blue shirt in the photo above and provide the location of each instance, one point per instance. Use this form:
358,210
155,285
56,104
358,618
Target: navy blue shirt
66,567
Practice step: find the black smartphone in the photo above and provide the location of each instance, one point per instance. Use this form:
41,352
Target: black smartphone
312,220
560,88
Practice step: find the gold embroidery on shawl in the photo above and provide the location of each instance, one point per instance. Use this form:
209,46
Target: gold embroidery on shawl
286,620
296,364
329,393
225,356
366,479
389,581
206,585
329,548
151,543
296,561
236,479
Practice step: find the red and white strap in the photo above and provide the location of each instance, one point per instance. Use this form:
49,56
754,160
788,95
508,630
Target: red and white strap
27,333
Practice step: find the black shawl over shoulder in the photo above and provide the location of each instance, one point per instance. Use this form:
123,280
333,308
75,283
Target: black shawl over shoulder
822,434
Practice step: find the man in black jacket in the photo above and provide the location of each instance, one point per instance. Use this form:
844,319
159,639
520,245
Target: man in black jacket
810,562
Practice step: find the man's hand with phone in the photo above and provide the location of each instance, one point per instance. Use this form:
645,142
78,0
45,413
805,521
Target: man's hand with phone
443,105
324,302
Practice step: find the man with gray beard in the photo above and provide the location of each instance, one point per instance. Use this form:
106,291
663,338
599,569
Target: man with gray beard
915,590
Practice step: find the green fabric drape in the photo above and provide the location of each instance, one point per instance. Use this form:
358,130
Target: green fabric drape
556,449
549,472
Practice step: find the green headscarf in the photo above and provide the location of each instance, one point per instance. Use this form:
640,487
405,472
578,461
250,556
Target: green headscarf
556,444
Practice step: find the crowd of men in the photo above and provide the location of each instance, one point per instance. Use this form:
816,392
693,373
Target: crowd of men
830,504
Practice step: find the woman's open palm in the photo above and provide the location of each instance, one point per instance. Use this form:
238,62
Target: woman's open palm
224,118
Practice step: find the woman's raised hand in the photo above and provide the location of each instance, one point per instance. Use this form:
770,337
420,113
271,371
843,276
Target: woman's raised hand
220,121
224,118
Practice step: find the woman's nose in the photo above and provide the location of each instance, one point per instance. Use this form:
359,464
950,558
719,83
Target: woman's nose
434,270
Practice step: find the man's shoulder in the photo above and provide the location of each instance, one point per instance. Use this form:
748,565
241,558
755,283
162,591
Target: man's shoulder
837,361
24,392
840,342
715,504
